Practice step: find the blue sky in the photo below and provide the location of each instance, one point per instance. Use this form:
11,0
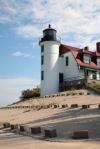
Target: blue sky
21,25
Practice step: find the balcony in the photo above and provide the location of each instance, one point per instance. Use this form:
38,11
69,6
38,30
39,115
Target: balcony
49,38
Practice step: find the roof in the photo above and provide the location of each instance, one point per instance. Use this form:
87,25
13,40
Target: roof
97,54
78,54
49,29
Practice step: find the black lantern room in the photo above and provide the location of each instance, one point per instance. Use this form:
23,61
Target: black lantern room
49,34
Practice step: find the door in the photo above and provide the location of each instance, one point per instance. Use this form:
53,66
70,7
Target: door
61,77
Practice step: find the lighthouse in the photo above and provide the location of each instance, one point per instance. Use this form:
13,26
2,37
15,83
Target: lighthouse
49,61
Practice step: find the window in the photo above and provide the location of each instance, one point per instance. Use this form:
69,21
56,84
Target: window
42,60
42,48
87,73
42,75
94,75
98,61
67,61
86,59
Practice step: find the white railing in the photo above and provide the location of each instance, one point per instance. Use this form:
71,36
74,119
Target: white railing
74,78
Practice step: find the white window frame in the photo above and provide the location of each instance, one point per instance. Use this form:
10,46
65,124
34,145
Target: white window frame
87,59
98,61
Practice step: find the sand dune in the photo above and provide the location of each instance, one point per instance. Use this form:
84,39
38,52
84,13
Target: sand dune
65,121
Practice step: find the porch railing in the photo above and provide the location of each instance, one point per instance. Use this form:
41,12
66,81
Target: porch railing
73,82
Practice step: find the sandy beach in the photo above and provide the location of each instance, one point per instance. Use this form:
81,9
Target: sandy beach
65,121
12,141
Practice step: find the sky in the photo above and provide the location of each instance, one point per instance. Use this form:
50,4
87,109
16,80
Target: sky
21,23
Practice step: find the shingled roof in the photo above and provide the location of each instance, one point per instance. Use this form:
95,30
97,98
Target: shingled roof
78,55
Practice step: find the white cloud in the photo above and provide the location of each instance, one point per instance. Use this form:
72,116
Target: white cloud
4,19
67,16
11,88
82,18
21,54
28,31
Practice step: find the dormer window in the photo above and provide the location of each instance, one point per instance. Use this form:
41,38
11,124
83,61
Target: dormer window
87,59
98,61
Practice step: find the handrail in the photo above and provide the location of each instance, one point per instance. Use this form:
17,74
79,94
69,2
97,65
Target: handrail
57,39
74,78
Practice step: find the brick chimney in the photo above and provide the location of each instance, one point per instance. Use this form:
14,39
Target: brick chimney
86,48
98,47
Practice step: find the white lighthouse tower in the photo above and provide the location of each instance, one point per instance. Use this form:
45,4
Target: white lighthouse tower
49,62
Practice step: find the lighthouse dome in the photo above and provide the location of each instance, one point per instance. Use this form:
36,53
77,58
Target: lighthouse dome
49,34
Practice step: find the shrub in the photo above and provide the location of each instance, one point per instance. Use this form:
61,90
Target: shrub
94,85
30,93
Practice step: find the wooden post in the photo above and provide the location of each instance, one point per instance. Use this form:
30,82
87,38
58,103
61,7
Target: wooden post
50,133
82,134
74,106
85,106
6,125
22,128
13,126
36,130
